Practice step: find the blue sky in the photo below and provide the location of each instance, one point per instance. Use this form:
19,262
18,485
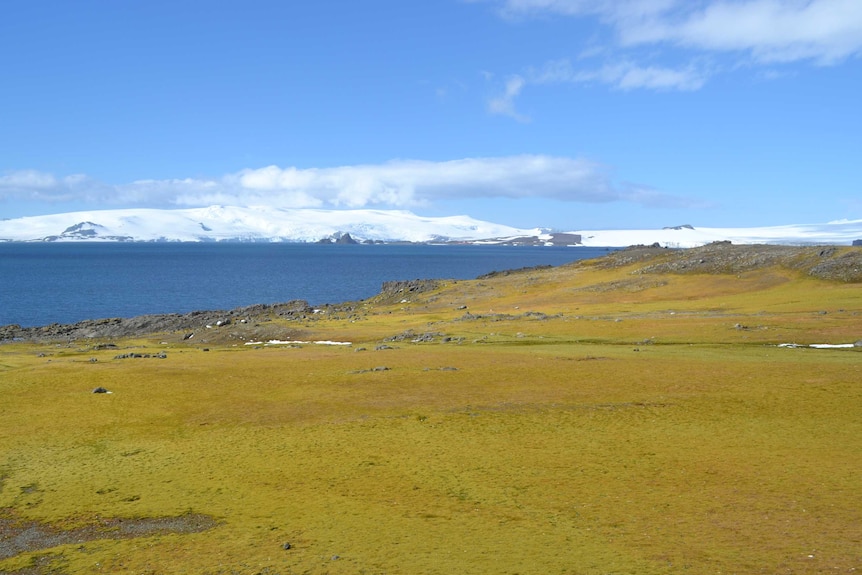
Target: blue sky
569,114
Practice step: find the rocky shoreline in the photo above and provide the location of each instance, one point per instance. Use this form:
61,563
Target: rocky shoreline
250,322
823,262
186,324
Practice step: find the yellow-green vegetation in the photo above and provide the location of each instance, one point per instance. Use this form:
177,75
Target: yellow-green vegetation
592,418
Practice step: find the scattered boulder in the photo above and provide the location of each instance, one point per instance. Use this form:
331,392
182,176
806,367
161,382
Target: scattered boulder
100,390
414,337
394,291
379,368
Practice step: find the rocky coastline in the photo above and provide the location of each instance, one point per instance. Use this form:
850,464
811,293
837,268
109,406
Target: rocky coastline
243,323
824,262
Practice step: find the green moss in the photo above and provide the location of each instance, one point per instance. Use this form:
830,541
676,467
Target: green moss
653,430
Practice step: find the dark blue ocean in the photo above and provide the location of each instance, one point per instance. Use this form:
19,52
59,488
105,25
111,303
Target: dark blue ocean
43,283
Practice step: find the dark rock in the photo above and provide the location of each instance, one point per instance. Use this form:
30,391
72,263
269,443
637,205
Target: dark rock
286,546
346,239
412,336
100,390
187,324
396,290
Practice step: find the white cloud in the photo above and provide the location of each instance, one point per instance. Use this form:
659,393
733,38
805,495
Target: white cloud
695,32
624,75
395,184
504,104
30,180
40,186
825,31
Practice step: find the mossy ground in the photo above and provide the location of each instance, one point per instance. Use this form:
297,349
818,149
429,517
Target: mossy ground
582,420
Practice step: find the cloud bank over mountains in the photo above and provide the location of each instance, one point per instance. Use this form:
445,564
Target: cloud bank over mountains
395,184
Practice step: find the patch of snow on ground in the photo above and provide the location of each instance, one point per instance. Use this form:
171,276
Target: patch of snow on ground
819,345
290,342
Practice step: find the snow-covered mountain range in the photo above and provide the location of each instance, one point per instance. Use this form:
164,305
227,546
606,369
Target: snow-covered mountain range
263,224
267,224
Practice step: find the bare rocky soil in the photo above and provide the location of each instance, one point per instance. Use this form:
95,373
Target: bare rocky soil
825,262
21,536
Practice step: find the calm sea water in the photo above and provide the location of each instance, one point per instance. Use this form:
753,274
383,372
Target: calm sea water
42,284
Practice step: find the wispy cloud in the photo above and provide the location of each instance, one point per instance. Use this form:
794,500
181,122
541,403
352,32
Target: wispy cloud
395,184
825,31
622,75
694,32
504,104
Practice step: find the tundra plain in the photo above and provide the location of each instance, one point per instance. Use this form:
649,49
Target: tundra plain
633,414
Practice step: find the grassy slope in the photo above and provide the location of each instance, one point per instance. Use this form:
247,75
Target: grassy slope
629,423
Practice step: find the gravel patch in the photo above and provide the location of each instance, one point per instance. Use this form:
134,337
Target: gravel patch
23,536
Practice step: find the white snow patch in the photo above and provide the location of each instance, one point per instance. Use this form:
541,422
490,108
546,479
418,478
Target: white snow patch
837,232
819,345
296,341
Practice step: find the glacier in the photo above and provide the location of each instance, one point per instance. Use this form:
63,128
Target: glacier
306,225
251,224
